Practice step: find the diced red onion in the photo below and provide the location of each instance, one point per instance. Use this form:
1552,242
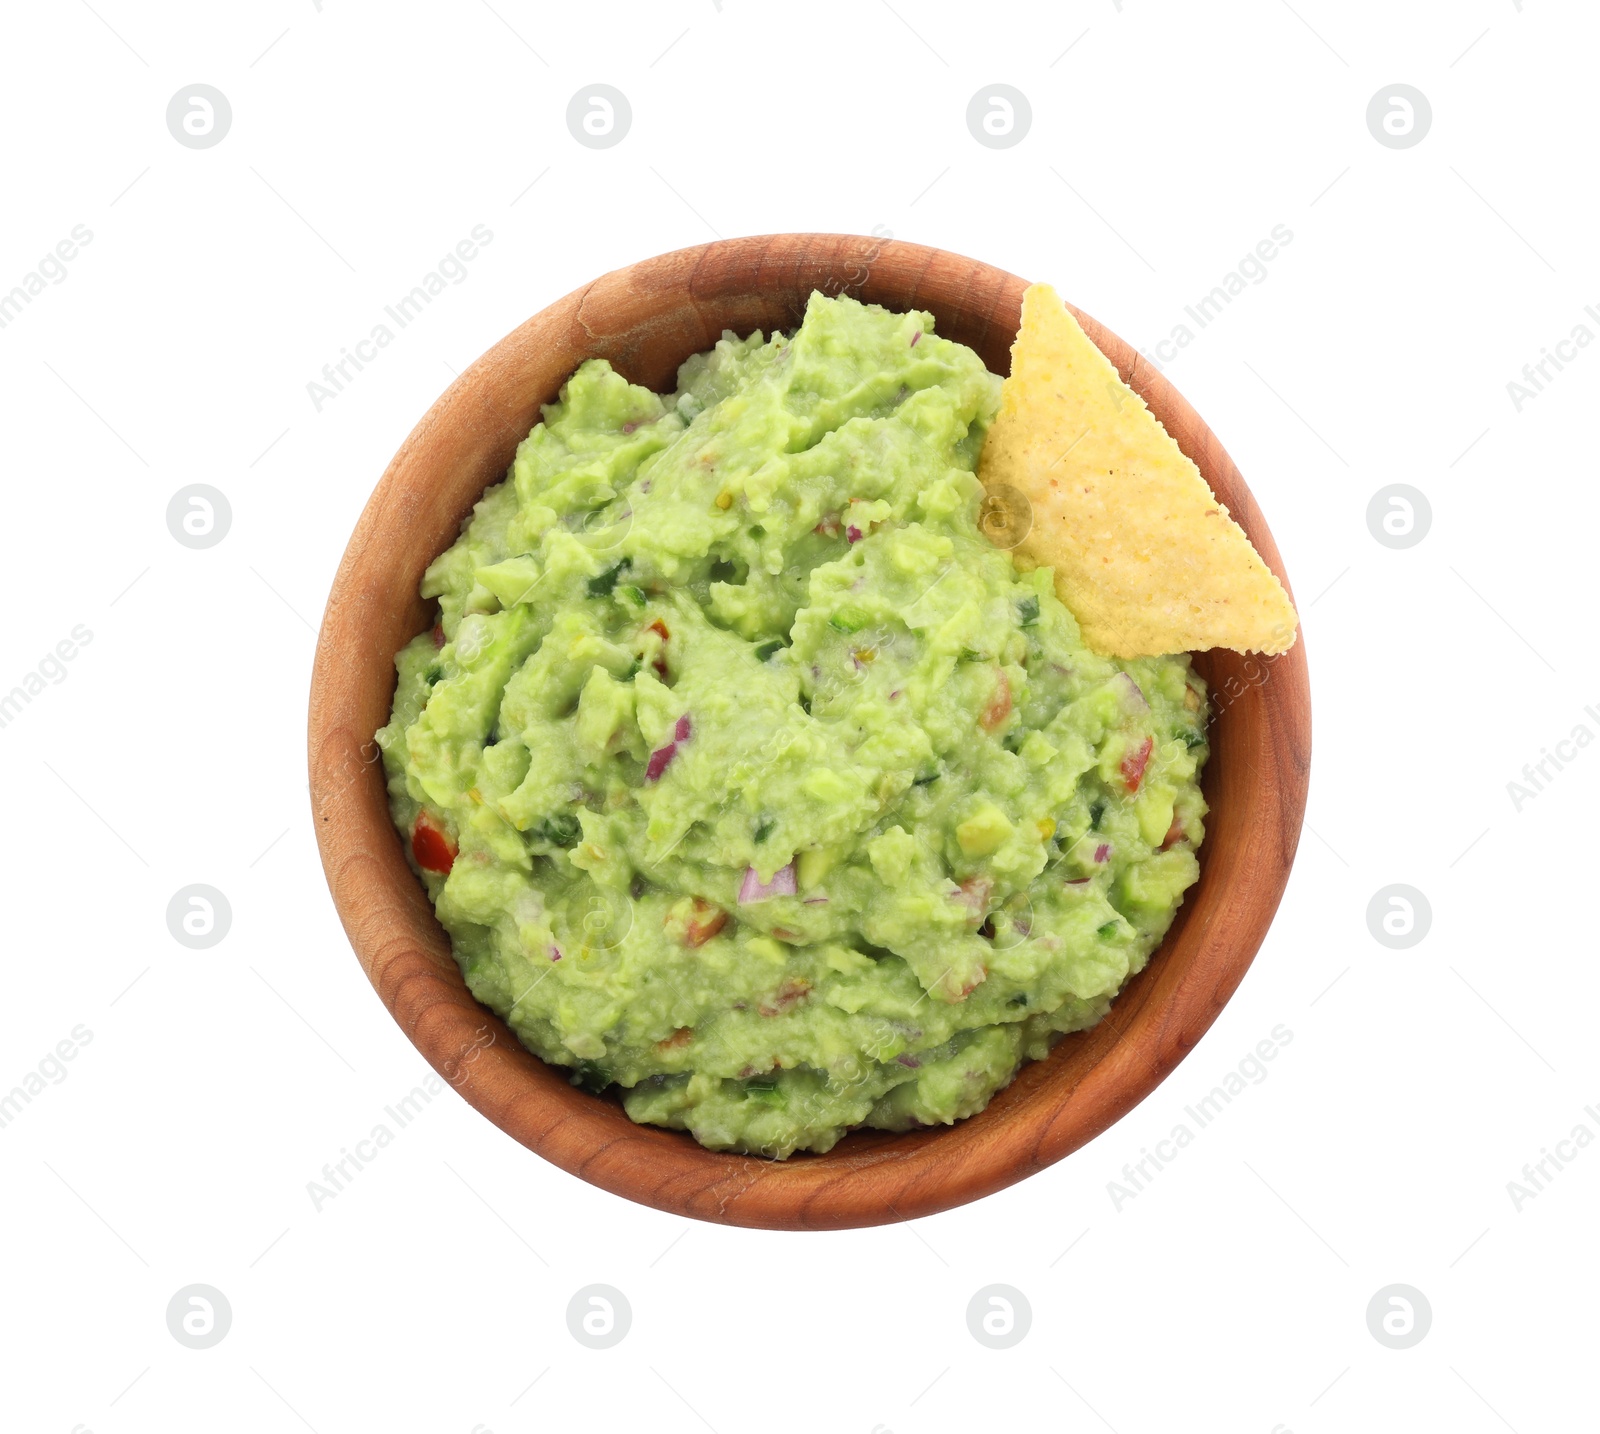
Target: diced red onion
915,338
752,889
1102,851
660,759
683,731
1134,692
815,901
853,533
909,1062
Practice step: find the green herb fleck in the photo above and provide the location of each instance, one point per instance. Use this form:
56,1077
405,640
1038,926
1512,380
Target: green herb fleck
1096,811
764,650
562,830
765,1090
848,619
601,584
764,829
1028,611
592,1076
1106,932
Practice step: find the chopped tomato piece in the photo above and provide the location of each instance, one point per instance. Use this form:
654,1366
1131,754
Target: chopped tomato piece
969,986
659,661
679,1037
704,922
1134,763
975,893
792,991
431,845
999,707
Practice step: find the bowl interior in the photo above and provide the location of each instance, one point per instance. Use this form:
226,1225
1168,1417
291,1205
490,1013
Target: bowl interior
646,320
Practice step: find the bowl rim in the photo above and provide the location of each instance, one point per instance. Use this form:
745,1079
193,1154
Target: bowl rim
1052,1106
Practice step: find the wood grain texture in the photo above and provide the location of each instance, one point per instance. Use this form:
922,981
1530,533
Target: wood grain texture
647,319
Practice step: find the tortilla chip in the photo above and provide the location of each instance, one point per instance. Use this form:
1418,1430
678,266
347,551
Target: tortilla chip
1146,558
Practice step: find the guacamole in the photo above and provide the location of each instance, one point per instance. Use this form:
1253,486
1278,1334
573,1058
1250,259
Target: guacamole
749,777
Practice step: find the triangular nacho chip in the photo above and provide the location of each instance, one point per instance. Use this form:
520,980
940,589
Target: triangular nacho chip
1144,555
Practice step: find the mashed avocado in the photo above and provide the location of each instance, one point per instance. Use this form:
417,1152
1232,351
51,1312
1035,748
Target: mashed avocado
747,775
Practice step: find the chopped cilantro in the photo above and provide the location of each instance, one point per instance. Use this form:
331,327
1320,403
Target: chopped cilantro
562,830
602,584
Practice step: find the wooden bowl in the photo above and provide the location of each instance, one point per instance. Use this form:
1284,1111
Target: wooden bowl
647,319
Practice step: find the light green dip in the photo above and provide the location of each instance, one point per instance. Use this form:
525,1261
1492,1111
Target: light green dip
970,828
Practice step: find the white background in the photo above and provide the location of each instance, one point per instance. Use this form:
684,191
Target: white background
1167,139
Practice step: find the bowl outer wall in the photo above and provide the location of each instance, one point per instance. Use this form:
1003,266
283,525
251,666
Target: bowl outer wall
646,319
